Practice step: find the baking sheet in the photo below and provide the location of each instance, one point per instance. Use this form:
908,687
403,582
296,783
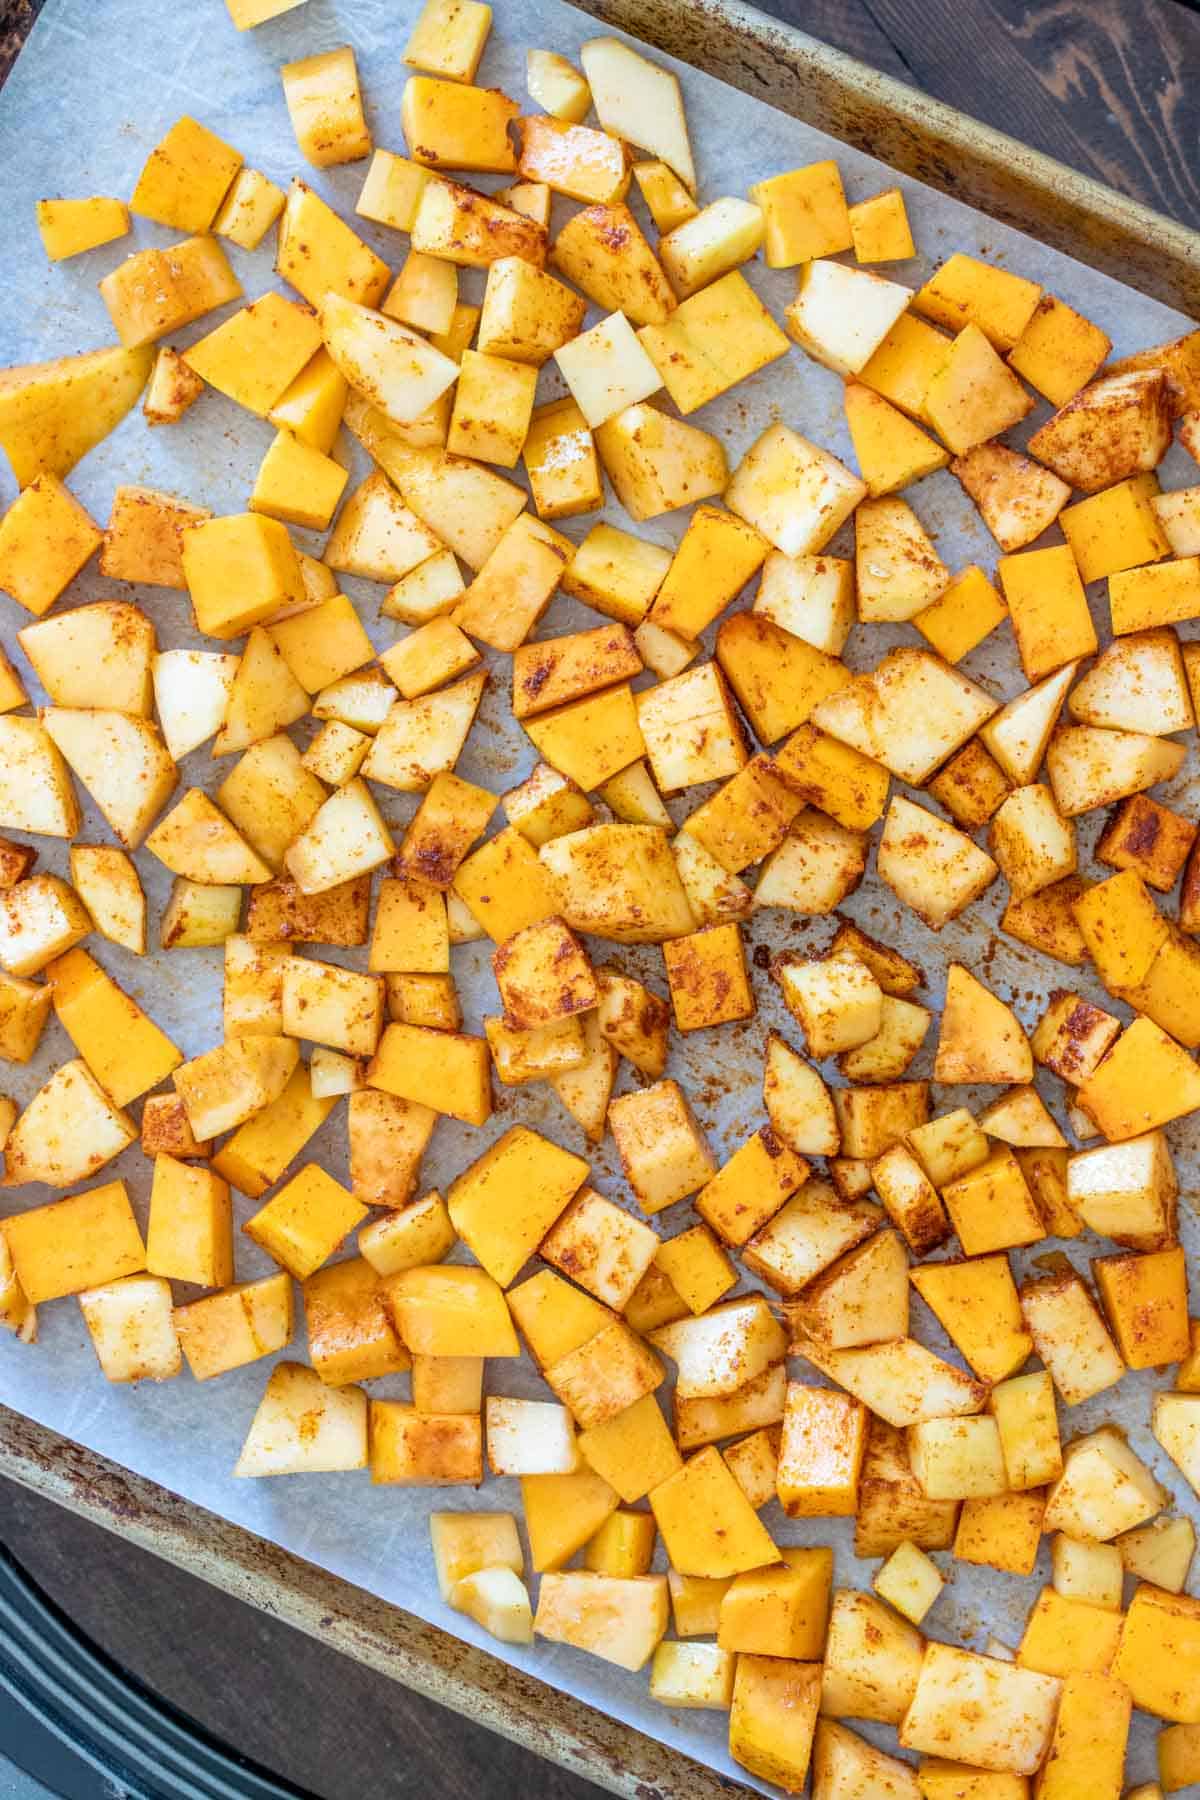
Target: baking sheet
95,89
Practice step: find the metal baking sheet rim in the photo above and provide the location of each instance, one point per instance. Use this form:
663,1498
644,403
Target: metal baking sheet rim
360,1625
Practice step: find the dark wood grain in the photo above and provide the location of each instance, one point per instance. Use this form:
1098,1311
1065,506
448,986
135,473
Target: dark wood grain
285,1701
1107,86
16,19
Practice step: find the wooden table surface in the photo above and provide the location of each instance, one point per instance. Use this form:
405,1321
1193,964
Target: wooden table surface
1101,84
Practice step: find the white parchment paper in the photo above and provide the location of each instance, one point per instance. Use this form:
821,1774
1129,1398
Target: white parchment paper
98,84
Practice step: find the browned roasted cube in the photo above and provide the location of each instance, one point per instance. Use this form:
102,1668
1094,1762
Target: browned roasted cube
16,860
543,973
1073,1036
165,1129
1145,836
663,1151
707,974
971,786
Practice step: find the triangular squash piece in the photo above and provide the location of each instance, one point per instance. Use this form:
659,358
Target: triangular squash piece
1018,734
862,1299
303,1427
981,1039
891,450
377,536
264,697
466,505
798,1102
1046,921
197,842
1017,498
562,1512
1146,1080
191,693
929,864
67,1133
1020,1118
121,761
898,572
1137,683
713,894
844,1764
585,1091
1090,766
345,837
424,737
35,789
394,368
99,653
901,1381
53,413
976,1304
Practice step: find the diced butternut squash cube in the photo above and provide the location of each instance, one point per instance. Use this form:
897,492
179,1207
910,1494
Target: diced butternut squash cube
86,1241
1066,1635
662,1150
1115,427
575,160
805,214
910,1581
891,450
68,227
451,1310
972,395
774,1716
46,537
620,1620
504,1204
1105,1488
303,1224
965,291
1058,351
872,1660
190,1234
1145,1298
562,1512
692,1675
35,783
237,1326
1158,1657
185,178
985,1712
132,1329
68,1130
820,1459
463,1543
1087,1571
879,228
841,315
781,1610
794,493
632,1449
351,1336
1160,1552
605,1375
706,1523
424,1449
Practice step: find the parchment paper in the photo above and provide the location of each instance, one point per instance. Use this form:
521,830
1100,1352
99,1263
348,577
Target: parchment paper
98,84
